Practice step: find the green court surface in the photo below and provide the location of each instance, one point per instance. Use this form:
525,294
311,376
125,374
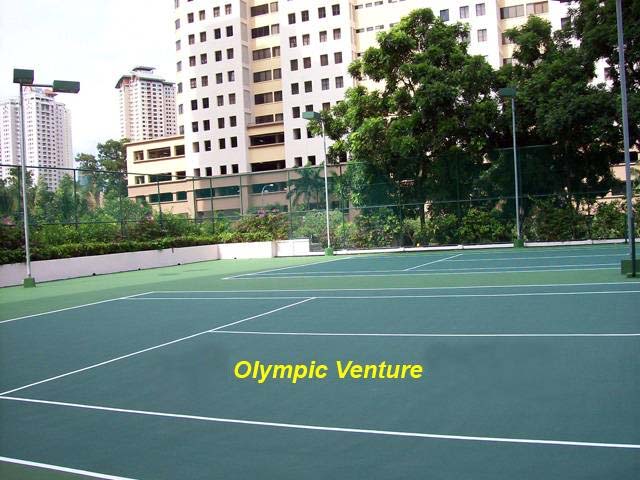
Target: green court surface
530,363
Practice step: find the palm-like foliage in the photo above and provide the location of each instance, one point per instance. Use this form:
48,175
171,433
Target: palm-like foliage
310,184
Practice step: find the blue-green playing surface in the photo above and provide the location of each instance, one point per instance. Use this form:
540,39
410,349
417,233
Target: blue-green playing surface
520,347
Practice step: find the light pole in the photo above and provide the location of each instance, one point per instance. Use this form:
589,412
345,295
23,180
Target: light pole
510,92
24,78
270,185
318,117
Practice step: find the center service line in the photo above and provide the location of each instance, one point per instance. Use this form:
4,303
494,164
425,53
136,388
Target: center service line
299,426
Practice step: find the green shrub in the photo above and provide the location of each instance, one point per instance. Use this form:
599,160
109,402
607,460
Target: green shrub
610,221
480,226
264,225
442,229
381,228
313,225
11,237
554,220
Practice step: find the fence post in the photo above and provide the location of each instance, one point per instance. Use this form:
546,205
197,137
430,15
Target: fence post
159,205
122,220
213,225
195,201
290,205
240,192
75,199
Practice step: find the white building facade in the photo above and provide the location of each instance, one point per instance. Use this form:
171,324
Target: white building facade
147,105
247,70
48,136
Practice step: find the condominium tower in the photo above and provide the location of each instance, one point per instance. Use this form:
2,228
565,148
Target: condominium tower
247,70
147,105
48,135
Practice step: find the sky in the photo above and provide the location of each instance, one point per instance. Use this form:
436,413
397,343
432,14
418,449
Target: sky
90,41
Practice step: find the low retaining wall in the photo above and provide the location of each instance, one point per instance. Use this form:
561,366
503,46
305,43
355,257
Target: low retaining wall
63,268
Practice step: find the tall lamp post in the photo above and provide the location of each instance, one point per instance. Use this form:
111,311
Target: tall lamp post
510,92
24,78
318,117
631,234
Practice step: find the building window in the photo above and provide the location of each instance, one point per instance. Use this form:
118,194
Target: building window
229,53
232,99
537,8
222,143
177,23
205,102
203,36
216,11
223,169
295,89
194,126
325,83
337,57
179,66
293,42
326,106
306,39
201,15
512,12
227,9
218,78
234,168
178,45
277,73
304,15
337,34
482,35
232,121
217,33
218,55
221,122
260,98
220,100
308,86
263,76
297,161
322,36
193,83
297,135
260,32
234,142
180,109
192,61
464,12
207,148
339,82
190,17
335,9
231,76
322,12
295,112
230,31
274,7
195,146
260,10
203,58
306,62
480,10
293,64
275,51
262,54
506,40
292,18
275,29
206,125
444,15
311,160
324,60
277,96
204,81
194,104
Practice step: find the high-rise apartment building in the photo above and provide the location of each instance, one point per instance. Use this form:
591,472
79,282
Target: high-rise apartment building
147,105
48,135
247,70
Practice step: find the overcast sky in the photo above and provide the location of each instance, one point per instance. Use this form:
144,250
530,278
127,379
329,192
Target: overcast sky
91,41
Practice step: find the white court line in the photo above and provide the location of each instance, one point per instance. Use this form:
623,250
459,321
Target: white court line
499,259
58,468
382,297
77,306
436,335
505,268
431,263
381,289
286,268
122,357
299,426
428,273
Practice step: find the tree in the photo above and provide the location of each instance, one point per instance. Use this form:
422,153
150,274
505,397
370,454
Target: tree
594,25
436,100
112,156
310,184
558,105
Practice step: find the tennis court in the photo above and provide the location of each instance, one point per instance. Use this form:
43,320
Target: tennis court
530,370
